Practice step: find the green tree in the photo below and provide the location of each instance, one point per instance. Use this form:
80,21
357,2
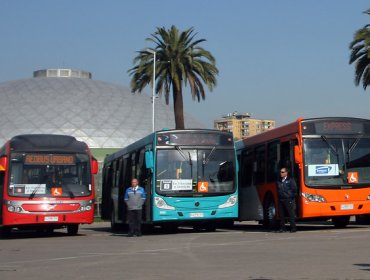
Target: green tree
360,54
180,62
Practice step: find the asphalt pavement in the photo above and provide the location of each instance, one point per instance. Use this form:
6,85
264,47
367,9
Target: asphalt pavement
246,251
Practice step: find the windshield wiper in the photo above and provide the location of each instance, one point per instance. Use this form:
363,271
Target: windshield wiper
352,147
181,152
32,195
335,152
206,160
71,194
329,145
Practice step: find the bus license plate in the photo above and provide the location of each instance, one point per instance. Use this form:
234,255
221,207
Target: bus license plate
196,215
346,207
51,219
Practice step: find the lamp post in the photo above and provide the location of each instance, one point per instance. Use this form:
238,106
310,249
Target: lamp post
153,93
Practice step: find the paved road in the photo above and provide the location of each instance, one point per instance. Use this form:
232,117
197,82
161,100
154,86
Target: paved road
244,252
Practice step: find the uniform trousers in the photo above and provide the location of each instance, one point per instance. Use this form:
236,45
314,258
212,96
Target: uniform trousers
134,222
287,204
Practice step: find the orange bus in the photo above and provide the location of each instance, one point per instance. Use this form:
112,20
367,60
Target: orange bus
46,182
329,159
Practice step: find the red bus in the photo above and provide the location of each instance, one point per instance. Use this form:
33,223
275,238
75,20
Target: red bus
46,182
329,159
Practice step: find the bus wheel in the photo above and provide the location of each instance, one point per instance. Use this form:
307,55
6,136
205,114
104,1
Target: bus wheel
363,219
113,224
340,221
210,227
269,214
45,231
72,229
169,228
5,232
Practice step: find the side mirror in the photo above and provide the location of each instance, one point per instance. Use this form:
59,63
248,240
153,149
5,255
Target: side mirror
149,160
94,166
3,164
298,155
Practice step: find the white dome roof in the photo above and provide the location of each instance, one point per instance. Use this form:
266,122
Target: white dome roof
102,114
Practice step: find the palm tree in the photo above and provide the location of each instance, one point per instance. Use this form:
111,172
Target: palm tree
180,62
360,53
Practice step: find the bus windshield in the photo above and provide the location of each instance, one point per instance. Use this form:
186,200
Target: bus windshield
185,172
333,162
49,175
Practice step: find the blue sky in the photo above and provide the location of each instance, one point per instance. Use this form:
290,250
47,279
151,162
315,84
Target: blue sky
277,59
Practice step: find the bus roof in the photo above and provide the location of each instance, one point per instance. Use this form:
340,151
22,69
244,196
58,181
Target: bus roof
47,142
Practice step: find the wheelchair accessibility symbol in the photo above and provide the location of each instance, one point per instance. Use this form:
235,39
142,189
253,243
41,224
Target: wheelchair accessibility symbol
353,177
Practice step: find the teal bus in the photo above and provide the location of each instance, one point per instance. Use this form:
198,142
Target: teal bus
190,177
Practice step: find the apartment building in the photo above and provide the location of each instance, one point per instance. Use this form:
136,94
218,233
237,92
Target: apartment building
242,125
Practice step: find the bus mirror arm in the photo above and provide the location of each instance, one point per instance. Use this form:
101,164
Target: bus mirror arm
298,155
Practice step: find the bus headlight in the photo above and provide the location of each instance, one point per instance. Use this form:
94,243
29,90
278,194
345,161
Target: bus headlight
313,197
17,209
160,203
86,207
368,197
231,201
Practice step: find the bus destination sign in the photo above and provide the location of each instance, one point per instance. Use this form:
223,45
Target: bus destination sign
42,159
338,127
201,139
330,127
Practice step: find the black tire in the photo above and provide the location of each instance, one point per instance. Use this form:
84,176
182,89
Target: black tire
113,224
210,227
45,231
227,224
340,221
269,214
169,227
363,219
72,229
5,232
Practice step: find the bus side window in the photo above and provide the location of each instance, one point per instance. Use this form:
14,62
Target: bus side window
273,154
247,171
143,172
133,164
127,172
285,155
261,164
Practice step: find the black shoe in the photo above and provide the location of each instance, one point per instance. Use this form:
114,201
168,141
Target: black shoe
130,235
282,230
293,230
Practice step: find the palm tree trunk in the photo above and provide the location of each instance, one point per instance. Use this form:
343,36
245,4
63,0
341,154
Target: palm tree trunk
178,108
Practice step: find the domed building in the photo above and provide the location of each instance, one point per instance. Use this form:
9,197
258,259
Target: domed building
67,101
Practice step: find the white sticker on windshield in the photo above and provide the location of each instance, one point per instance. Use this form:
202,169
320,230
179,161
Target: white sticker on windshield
323,170
176,185
28,188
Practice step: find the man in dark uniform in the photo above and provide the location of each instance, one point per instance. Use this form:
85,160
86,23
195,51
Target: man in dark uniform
287,191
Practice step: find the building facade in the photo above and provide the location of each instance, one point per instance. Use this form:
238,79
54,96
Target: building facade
242,125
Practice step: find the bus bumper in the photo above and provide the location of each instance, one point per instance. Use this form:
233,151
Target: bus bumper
329,209
195,214
15,219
